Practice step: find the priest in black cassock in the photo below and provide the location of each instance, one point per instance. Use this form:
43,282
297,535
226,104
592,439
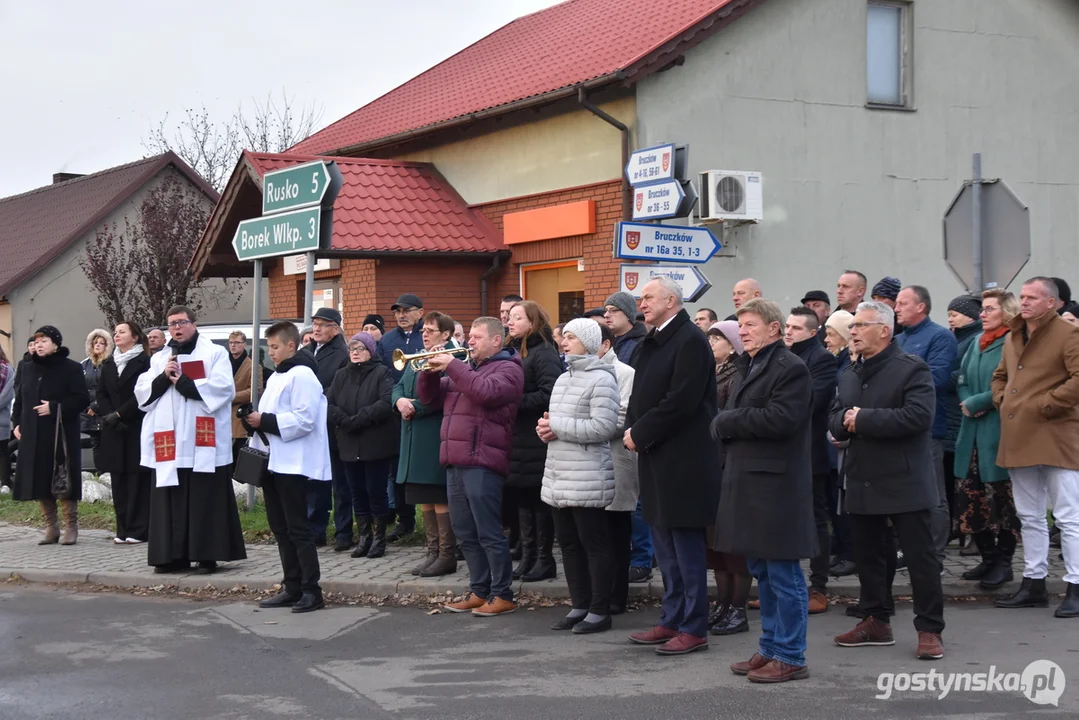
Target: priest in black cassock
187,441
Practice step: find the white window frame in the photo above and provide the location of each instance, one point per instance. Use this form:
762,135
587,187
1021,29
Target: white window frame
906,56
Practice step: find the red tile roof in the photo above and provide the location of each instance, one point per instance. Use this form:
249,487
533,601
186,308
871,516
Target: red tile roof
38,225
579,42
394,206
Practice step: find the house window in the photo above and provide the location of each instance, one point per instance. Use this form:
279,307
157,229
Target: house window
888,68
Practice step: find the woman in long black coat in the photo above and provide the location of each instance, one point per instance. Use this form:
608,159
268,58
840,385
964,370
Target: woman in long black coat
121,428
51,387
530,335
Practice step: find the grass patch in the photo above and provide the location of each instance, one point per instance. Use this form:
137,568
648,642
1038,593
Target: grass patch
100,516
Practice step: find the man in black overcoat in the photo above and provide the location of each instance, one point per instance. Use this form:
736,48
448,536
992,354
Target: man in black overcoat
885,406
673,401
802,328
766,507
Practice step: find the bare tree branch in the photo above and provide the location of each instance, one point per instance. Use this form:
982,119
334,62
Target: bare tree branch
211,147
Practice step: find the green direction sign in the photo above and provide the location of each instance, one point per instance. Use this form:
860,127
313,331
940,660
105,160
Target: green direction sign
295,187
286,233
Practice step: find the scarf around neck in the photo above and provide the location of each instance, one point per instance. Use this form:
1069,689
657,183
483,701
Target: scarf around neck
990,336
123,358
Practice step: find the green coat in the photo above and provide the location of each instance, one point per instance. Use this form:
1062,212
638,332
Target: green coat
975,375
419,437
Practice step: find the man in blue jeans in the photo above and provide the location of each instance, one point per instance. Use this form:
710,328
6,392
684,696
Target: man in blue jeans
479,400
766,511
640,558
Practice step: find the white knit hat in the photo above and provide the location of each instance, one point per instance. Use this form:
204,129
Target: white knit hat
587,331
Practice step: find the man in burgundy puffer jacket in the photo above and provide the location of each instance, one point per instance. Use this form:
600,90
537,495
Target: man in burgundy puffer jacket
479,402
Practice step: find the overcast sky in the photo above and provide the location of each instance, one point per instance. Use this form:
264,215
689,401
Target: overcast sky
83,83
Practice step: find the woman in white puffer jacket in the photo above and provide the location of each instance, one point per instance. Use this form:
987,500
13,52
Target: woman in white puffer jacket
578,477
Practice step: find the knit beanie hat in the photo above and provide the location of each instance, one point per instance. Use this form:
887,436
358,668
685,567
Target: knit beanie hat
367,339
624,302
52,333
966,305
840,321
888,287
729,330
587,331
375,320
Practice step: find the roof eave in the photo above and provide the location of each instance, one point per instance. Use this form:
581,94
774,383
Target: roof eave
523,104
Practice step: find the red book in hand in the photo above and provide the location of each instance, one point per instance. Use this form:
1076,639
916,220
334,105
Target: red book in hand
194,369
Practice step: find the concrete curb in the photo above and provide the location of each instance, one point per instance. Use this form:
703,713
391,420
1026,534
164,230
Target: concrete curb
554,589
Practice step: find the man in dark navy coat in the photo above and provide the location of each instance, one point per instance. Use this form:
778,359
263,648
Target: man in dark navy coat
673,401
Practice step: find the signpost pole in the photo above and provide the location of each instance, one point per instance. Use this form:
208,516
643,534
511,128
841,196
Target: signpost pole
256,363
309,289
976,203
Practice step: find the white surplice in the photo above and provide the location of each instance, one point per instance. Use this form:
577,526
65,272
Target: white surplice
298,402
174,418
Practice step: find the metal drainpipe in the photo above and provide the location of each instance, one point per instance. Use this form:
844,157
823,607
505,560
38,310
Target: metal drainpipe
627,201
483,282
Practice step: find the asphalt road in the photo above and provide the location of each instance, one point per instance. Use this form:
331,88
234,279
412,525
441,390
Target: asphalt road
69,655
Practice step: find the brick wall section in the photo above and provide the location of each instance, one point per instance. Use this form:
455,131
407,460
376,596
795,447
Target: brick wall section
600,268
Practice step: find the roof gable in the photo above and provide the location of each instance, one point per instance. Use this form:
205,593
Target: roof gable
40,224
576,43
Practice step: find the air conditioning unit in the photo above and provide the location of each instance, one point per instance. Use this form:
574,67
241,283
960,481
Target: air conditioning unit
732,195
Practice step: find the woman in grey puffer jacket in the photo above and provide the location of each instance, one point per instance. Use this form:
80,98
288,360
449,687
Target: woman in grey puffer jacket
578,476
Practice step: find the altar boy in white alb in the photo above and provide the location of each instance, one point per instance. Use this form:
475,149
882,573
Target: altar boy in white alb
291,426
187,441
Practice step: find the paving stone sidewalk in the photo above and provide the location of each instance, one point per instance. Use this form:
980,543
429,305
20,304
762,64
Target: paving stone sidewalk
96,560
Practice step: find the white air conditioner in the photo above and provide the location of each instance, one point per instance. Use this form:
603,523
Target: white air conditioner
732,195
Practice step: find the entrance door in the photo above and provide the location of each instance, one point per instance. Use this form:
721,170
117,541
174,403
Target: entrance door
558,287
326,293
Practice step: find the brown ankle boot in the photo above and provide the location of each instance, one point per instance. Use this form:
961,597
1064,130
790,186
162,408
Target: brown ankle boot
430,530
71,522
446,563
52,530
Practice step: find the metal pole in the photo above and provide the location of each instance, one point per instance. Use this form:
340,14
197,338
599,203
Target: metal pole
979,279
256,362
309,289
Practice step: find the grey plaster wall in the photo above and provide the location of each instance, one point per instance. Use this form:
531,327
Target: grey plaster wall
782,91
61,295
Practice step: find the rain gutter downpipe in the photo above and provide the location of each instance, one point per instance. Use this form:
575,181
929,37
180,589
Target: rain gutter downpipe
627,206
483,282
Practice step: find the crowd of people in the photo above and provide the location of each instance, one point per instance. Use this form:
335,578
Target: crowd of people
864,439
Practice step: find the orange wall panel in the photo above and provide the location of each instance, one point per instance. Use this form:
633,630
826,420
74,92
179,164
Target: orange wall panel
547,223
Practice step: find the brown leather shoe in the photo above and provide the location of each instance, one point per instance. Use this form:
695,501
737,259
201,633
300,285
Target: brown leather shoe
495,606
868,632
754,663
777,672
930,646
682,644
470,603
818,602
656,636
754,604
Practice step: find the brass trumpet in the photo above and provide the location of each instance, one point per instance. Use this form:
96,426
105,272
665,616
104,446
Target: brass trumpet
418,361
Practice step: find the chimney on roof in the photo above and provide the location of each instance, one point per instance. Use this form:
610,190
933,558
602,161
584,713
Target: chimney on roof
64,177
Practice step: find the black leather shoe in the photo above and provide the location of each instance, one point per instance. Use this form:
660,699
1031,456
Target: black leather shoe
735,621
309,603
843,568
181,566
719,614
342,544
400,531
640,574
280,600
1070,607
587,628
206,568
1000,573
544,569
1031,593
980,570
567,623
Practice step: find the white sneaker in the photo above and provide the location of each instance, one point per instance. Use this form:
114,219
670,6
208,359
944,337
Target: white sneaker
118,541
133,541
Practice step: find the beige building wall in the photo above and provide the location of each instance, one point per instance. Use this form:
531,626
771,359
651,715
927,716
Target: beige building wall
576,148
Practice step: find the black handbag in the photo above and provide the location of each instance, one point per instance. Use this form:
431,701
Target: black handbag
61,481
252,466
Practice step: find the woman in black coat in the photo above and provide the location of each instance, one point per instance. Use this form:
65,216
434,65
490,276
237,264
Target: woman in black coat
530,335
121,428
361,415
51,388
